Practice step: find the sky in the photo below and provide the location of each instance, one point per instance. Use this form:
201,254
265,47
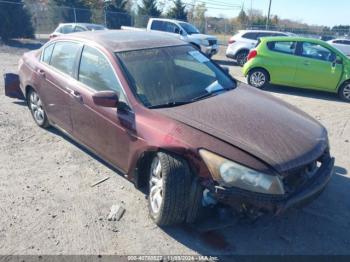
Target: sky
316,12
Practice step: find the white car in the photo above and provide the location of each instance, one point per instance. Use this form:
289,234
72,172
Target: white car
341,44
187,32
67,28
240,44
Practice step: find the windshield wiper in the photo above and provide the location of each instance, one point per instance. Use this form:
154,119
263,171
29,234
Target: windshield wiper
209,94
171,104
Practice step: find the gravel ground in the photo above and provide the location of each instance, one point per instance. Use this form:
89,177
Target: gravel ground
48,206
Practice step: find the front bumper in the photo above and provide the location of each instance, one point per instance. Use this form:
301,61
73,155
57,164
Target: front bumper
210,50
275,204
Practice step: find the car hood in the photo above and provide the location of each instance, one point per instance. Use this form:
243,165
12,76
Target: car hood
258,123
201,37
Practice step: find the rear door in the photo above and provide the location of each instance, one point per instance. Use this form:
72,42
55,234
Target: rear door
59,63
316,67
281,61
107,131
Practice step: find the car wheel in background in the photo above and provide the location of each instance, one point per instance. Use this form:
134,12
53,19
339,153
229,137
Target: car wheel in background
169,189
344,92
241,57
36,108
258,78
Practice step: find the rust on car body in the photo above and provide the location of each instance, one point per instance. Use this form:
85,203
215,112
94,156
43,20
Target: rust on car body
232,133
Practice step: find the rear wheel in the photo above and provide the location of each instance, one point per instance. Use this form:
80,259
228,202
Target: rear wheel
258,78
36,108
241,58
169,189
344,92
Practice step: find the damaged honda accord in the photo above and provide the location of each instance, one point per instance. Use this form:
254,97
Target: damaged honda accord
173,121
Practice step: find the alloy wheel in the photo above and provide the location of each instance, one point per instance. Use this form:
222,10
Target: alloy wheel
346,92
156,185
257,79
37,108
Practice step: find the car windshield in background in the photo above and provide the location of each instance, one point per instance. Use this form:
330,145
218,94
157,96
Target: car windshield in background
172,76
190,29
95,27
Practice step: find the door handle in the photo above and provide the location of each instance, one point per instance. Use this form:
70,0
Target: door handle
77,96
41,72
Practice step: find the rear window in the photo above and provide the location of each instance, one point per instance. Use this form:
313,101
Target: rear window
64,56
286,47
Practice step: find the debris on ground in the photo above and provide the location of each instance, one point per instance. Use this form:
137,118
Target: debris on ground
116,213
100,181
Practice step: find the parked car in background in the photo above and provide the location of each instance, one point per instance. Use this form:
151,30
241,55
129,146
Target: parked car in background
185,31
299,62
327,37
240,44
341,44
148,104
68,28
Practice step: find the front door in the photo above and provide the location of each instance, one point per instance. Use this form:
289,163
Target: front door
317,68
107,131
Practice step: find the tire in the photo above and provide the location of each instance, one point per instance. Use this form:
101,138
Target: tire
258,78
169,189
37,109
195,202
344,92
241,57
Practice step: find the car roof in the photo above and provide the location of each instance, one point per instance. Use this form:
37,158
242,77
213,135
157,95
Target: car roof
123,40
292,38
262,31
168,20
81,24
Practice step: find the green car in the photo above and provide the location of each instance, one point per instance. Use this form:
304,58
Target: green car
299,62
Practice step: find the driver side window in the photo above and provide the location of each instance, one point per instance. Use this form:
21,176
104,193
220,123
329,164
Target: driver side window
96,72
316,51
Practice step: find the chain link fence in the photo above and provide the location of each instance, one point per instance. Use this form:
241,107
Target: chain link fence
45,18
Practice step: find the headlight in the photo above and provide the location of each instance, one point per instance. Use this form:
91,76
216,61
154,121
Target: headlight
205,42
231,174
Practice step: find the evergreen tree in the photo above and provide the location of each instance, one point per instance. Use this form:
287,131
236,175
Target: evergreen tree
178,11
117,14
15,20
149,8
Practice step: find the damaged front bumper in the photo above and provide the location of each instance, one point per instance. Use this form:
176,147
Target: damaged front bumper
275,204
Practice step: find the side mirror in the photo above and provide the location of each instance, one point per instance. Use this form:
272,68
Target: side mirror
106,98
226,69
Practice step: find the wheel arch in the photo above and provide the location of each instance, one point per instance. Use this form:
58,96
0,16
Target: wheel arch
243,49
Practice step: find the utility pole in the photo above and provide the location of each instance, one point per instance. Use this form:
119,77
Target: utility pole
268,16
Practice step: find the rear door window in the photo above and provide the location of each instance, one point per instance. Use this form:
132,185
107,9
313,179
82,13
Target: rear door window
286,47
157,25
64,56
251,36
66,29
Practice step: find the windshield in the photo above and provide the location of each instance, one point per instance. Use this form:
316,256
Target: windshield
173,75
190,29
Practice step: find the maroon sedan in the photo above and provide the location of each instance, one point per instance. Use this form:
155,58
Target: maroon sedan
169,118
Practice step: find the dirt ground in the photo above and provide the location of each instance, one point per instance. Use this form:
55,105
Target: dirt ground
48,206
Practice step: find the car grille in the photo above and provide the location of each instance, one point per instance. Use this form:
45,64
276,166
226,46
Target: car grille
298,177
212,42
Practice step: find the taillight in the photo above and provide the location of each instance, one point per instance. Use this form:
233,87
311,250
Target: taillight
252,54
231,41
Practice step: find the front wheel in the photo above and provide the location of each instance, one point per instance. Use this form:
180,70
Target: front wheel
344,92
169,189
36,108
258,78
